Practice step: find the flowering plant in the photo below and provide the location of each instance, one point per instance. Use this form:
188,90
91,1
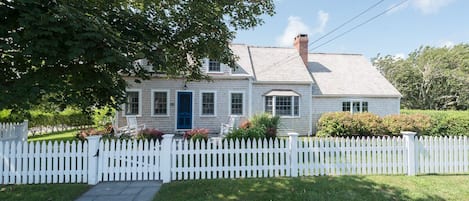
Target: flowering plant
196,134
150,134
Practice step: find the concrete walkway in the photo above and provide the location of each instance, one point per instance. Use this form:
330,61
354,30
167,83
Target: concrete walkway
122,191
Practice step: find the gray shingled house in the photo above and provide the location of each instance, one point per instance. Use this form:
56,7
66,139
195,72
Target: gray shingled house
289,82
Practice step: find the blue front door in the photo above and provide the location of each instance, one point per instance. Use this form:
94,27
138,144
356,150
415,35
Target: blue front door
184,110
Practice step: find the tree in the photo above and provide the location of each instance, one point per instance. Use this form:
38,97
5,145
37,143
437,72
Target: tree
430,77
75,52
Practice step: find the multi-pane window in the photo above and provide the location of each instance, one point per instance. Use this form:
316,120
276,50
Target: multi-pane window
282,105
346,106
237,103
296,106
160,103
269,102
364,106
355,106
214,66
133,102
208,103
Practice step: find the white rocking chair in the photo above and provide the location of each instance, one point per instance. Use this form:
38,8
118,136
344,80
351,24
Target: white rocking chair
225,128
132,126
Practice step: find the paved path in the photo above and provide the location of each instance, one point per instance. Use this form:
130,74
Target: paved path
122,191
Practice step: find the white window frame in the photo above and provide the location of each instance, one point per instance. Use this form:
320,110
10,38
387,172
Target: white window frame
153,102
243,102
214,104
292,115
139,104
351,101
215,72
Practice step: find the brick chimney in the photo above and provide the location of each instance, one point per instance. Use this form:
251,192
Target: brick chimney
301,44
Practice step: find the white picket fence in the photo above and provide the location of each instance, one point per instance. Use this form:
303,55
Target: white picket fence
229,159
101,160
352,156
129,160
14,131
41,162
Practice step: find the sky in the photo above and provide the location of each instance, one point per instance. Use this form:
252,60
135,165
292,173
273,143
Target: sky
397,32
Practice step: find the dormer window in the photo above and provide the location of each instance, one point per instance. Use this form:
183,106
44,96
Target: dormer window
214,66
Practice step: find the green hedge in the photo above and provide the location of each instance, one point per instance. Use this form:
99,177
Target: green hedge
346,124
451,123
434,123
69,117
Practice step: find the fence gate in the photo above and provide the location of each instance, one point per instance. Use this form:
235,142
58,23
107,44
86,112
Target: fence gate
128,160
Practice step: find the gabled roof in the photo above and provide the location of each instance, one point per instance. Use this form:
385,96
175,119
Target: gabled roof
244,61
272,64
349,75
278,64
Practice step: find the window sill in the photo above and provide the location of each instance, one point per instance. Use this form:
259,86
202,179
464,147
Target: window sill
215,72
290,117
208,116
160,115
131,115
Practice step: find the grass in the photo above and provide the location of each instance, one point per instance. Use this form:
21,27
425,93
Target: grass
455,187
55,136
48,192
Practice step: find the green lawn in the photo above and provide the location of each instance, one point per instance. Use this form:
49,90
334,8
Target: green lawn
46,192
321,188
63,135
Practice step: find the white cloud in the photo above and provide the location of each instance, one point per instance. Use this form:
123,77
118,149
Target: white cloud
447,44
399,56
430,6
296,26
323,18
397,8
425,6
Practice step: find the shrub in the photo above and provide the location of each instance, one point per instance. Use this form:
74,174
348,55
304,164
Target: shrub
268,122
419,123
150,134
367,124
196,134
335,124
259,126
452,123
249,133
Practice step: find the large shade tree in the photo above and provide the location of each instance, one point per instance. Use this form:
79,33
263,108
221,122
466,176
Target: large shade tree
430,77
75,52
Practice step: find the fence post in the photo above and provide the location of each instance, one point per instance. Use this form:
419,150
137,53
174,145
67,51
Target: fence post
24,137
93,153
409,137
293,146
165,158
19,131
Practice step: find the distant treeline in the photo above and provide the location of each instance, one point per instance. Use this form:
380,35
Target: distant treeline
435,78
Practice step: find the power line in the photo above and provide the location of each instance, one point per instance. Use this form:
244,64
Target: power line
330,32
361,24
346,22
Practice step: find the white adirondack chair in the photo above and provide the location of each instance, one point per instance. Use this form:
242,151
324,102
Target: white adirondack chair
132,126
225,128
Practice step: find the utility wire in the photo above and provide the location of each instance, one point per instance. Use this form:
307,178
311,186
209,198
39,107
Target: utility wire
346,22
335,29
361,24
